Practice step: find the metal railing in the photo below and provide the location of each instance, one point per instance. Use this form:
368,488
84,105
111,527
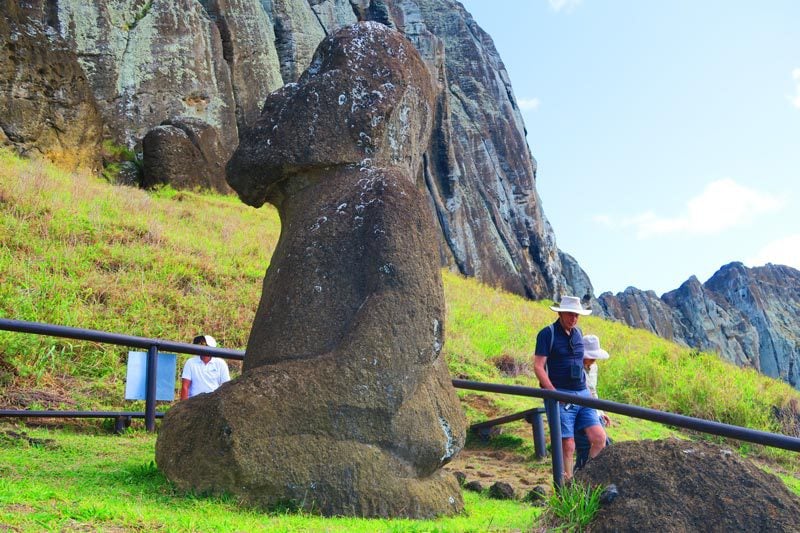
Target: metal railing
151,345
687,422
550,397
531,416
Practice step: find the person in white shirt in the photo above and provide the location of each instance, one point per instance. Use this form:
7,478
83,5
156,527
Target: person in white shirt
203,373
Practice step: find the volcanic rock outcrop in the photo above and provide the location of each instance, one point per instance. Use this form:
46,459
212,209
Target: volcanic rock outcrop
185,153
747,315
345,405
46,102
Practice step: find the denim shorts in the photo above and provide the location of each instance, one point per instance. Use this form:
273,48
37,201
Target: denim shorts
576,417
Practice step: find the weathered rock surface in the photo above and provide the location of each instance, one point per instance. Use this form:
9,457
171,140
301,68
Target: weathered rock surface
186,153
248,46
46,103
677,486
148,62
747,315
579,283
481,174
216,60
345,405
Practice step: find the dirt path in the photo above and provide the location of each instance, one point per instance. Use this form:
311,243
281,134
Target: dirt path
489,466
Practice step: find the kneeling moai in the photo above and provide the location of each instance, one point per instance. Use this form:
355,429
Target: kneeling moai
345,405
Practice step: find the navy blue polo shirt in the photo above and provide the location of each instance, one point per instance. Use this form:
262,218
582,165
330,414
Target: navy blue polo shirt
565,362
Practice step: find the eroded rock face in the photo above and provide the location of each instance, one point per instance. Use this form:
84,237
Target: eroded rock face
480,173
345,405
46,103
149,62
248,45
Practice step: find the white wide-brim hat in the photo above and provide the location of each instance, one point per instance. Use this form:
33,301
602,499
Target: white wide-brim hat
571,304
591,348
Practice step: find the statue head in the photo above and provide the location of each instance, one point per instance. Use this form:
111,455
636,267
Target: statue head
366,100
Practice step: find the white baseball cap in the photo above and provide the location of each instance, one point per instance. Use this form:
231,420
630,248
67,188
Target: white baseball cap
208,340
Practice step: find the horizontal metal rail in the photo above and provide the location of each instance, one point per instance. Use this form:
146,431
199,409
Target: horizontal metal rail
531,416
697,424
122,419
506,419
25,413
151,345
38,328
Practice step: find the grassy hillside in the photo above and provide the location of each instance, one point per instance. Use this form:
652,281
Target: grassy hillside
77,251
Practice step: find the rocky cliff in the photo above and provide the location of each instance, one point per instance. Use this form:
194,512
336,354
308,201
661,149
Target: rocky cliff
747,315
190,75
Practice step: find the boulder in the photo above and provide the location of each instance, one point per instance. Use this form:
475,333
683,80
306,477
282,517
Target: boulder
187,154
345,405
500,490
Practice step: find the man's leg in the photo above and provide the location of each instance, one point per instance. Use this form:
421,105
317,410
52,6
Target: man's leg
567,413
568,450
597,439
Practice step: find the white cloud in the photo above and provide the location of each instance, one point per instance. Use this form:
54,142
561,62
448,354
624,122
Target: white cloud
566,6
722,205
528,104
796,98
785,251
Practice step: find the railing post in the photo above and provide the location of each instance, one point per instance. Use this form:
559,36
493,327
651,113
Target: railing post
150,393
554,421
537,427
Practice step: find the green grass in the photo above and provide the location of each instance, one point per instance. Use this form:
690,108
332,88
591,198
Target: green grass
77,251
574,505
105,482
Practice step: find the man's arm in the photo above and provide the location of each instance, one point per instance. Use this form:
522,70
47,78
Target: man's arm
185,388
539,362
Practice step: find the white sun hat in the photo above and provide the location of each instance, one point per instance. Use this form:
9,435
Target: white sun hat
209,340
591,348
571,304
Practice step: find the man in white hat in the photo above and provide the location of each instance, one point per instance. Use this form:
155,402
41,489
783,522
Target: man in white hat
203,373
558,364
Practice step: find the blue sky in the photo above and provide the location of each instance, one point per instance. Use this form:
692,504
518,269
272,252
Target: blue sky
667,133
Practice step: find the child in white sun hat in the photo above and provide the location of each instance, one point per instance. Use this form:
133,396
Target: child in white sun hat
591,354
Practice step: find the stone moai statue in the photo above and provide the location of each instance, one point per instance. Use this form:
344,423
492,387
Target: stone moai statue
345,405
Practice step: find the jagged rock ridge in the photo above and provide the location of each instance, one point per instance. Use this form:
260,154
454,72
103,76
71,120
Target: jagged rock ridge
747,315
